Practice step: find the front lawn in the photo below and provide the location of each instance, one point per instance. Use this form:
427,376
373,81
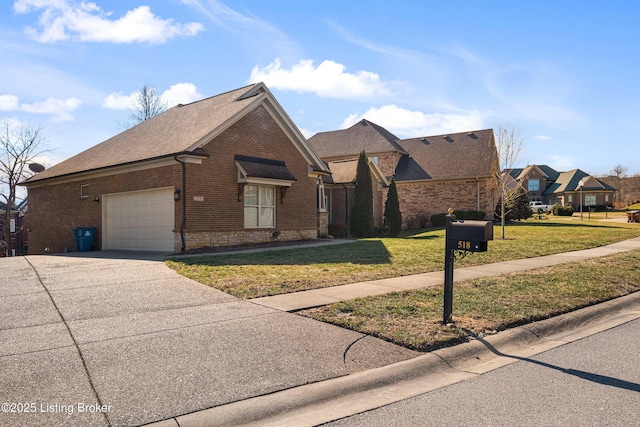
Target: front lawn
413,318
290,270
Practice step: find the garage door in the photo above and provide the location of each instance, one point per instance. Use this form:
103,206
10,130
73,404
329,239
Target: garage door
139,220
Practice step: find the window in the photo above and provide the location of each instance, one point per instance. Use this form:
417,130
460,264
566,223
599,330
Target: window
570,198
533,185
322,199
259,206
84,191
12,225
590,200
606,198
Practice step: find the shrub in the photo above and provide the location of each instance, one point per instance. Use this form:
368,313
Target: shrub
474,215
361,224
438,220
338,230
392,215
562,210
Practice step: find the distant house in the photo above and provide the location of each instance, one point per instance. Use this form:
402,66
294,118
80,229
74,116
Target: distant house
227,170
15,227
432,173
566,188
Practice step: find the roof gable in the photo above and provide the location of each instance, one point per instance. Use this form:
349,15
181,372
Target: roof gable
570,181
255,167
181,129
345,171
362,136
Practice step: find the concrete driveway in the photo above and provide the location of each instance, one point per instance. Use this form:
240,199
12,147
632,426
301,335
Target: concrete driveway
108,338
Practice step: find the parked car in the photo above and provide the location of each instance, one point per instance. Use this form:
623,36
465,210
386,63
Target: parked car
539,207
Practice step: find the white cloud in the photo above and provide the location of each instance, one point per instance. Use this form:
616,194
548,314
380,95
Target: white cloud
542,137
9,103
327,80
59,109
563,163
410,124
250,28
86,21
180,93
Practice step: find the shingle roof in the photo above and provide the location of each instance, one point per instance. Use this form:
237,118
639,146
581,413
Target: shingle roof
363,136
459,155
344,171
256,167
551,173
570,181
180,129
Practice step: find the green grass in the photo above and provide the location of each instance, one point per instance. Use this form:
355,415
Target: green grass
290,270
413,318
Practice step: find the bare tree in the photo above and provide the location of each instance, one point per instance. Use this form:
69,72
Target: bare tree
618,173
19,147
148,104
509,144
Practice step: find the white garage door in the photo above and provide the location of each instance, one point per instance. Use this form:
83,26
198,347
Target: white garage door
139,220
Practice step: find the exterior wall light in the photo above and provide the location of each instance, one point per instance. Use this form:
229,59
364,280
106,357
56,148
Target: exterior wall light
176,195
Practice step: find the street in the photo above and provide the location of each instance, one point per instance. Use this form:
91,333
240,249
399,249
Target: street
591,382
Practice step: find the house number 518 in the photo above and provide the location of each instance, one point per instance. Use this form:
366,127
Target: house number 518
464,244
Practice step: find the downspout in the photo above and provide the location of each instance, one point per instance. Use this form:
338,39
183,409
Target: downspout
478,193
346,205
184,201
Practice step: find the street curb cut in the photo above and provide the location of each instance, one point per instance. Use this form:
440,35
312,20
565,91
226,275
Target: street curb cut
324,401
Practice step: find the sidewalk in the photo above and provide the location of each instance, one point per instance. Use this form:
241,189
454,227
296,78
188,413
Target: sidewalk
318,297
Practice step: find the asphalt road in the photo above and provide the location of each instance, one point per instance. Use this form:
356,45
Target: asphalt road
591,382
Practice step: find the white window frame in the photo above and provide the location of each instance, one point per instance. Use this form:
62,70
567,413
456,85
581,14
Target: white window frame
589,199
260,207
322,199
84,191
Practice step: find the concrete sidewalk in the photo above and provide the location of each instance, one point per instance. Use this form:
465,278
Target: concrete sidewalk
317,297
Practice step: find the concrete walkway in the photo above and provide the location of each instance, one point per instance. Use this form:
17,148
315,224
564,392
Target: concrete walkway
318,297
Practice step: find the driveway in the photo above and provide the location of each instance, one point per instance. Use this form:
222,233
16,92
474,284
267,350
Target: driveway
109,338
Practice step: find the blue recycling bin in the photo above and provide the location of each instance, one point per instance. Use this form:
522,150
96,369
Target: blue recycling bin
84,238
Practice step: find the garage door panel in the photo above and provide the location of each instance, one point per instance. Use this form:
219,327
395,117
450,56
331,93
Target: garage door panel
140,220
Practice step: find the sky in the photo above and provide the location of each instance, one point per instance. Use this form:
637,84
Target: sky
563,74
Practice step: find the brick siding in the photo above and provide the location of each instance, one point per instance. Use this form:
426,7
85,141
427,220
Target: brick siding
216,218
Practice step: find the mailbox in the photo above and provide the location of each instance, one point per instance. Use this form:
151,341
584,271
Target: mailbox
470,236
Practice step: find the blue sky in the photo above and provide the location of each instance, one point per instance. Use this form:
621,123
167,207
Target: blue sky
563,73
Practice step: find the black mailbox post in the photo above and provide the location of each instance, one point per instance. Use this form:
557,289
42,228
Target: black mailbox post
467,236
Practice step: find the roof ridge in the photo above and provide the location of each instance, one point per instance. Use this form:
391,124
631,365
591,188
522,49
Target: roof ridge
214,96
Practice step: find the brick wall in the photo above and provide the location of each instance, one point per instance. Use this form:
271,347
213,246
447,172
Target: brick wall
418,201
55,210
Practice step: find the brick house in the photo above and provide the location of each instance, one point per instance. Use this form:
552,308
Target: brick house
227,170
432,173
545,184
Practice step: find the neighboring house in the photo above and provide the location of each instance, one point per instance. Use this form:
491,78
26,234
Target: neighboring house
432,173
14,227
341,195
227,170
545,184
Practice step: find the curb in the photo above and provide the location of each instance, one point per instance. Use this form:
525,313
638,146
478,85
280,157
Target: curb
325,401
